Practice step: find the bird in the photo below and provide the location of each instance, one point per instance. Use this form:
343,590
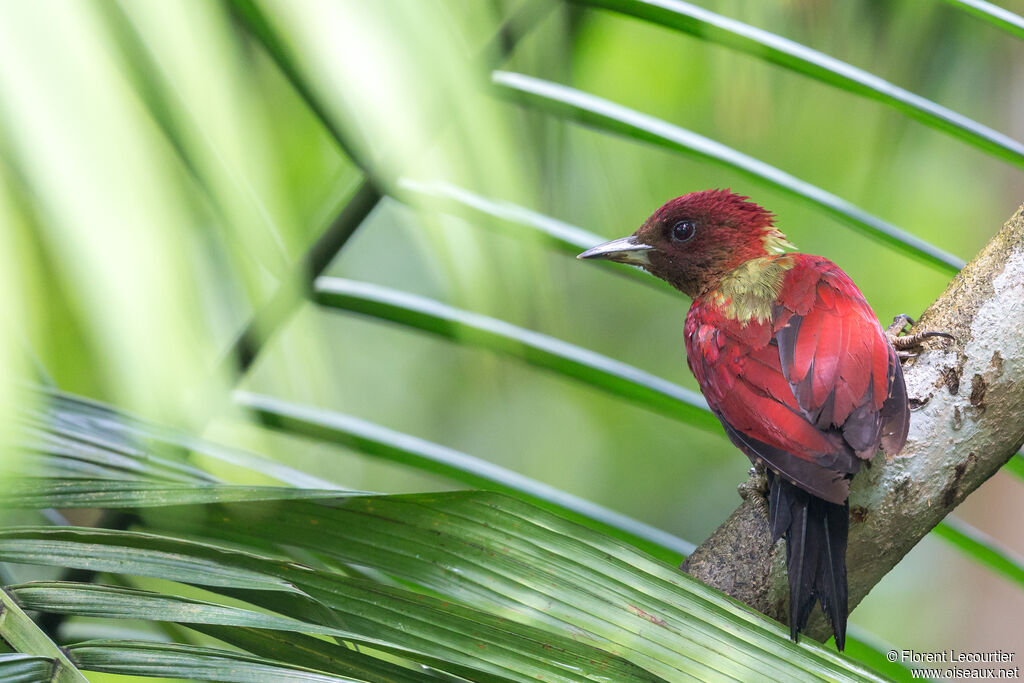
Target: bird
795,365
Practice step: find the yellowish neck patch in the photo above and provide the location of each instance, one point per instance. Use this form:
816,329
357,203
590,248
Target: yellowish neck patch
775,242
747,292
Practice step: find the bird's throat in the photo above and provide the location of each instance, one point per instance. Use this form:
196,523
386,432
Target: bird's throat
746,293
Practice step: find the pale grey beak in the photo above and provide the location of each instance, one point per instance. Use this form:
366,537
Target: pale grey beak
624,250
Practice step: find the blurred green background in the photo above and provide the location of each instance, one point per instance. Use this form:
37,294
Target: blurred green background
159,176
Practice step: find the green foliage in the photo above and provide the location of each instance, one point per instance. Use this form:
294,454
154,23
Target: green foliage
165,212
607,116
715,28
19,668
21,633
378,442
993,14
520,592
188,661
982,548
471,329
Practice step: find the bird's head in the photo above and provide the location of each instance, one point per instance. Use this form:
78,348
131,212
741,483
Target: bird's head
694,240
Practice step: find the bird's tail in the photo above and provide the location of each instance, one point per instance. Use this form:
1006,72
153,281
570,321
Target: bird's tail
815,532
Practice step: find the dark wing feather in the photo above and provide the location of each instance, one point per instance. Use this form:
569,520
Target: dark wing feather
816,536
830,484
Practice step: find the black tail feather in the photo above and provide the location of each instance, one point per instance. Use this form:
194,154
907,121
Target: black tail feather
816,533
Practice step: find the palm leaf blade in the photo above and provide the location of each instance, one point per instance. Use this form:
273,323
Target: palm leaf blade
19,668
473,329
174,660
982,548
22,634
545,230
303,650
495,554
603,115
442,635
384,443
786,53
466,546
993,14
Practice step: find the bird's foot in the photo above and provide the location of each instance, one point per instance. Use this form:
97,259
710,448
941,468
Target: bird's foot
755,489
910,346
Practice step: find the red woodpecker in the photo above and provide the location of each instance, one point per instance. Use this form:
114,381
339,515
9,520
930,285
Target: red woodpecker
792,361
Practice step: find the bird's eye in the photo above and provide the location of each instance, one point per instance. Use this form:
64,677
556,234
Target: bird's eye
683,231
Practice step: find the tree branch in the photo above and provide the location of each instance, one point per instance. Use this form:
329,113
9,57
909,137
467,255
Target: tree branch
967,421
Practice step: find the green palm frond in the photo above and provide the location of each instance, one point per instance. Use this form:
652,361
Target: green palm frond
570,587
22,634
992,14
715,28
302,579
610,117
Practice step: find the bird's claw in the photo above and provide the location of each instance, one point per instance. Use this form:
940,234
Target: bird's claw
755,489
899,323
909,346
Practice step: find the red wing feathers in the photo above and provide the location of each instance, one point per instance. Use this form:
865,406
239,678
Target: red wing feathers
812,391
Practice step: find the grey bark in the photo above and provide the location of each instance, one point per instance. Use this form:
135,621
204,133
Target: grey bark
967,420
